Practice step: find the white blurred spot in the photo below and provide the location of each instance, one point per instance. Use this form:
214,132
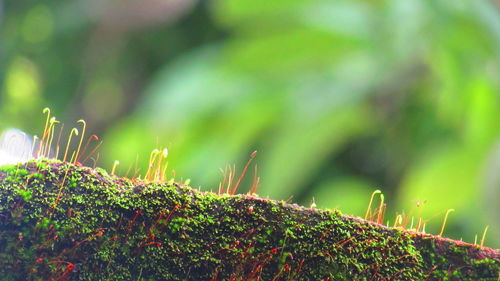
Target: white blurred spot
15,147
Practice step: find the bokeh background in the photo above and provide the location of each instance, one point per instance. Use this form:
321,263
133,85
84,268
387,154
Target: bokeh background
339,97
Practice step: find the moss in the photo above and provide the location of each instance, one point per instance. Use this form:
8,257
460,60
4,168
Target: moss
62,222
8,168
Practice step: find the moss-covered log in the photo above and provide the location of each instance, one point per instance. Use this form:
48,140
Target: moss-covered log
62,222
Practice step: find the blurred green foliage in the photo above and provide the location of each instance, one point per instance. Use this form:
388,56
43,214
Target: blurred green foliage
339,97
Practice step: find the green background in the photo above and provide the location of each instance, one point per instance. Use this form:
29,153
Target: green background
339,97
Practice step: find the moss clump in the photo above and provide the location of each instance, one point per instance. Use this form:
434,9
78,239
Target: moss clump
62,222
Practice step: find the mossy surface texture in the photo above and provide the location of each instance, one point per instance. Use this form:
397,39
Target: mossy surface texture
62,222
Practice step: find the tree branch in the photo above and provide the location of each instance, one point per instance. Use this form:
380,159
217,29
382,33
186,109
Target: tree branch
62,222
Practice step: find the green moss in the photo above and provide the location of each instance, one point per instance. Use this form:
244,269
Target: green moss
8,168
59,221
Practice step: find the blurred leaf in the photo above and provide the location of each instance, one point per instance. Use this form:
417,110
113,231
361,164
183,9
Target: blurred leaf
301,146
483,113
289,53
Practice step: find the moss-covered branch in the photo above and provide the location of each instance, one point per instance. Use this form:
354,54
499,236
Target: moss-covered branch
62,222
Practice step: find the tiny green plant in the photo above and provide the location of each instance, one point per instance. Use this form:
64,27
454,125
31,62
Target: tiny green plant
444,221
255,182
398,221
252,156
381,208
48,146
84,126
484,236
93,151
157,167
45,132
227,185
74,131
44,147
115,164
369,209
401,220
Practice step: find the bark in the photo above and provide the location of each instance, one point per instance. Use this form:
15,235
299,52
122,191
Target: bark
63,222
